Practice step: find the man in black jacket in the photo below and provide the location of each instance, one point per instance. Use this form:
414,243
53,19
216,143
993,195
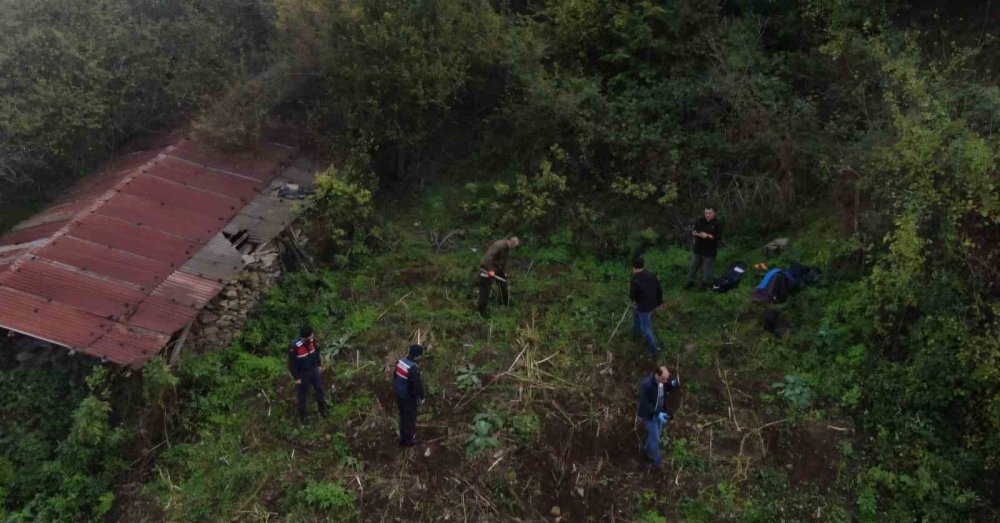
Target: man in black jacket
707,233
307,370
653,392
409,386
646,295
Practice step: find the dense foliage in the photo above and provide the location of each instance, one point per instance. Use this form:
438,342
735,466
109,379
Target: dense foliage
80,79
867,128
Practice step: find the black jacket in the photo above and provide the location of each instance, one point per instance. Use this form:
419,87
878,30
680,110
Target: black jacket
645,291
647,396
705,246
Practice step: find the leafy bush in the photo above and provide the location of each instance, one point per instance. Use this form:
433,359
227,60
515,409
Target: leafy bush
336,502
484,426
467,377
795,391
341,208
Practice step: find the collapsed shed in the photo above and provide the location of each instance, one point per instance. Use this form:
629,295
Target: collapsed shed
122,264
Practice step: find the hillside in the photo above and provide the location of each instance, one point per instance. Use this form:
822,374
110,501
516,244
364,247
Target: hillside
555,398
863,131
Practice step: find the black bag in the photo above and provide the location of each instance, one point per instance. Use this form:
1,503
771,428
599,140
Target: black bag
801,275
731,279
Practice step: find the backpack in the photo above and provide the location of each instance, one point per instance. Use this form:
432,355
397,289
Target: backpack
803,275
731,279
774,288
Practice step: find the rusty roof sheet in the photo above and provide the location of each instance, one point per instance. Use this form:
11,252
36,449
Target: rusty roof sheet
130,255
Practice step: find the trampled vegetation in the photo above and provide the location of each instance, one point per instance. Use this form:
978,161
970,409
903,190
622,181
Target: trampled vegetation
595,130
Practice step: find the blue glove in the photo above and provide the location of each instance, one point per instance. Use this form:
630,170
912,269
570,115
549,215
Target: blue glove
664,417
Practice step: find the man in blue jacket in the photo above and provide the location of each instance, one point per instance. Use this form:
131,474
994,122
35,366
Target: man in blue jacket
409,395
653,394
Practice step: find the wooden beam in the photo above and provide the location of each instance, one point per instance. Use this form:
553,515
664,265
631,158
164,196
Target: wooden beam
175,354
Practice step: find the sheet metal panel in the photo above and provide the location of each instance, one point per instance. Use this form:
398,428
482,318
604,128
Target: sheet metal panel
73,288
188,289
159,314
179,222
305,178
218,260
270,208
131,238
218,182
262,163
31,234
53,322
96,185
127,345
58,213
9,255
170,194
145,272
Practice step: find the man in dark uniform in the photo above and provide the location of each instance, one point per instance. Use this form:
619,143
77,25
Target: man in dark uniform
653,393
307,370
707,233
409,387
494,268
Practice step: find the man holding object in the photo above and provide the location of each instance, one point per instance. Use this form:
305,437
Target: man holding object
493,268
653,409
707,233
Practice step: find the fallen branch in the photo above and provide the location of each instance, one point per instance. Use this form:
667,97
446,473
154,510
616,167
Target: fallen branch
732,407
618,326
469,397
389,308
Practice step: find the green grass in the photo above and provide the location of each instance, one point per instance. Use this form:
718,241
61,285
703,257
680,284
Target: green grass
557,422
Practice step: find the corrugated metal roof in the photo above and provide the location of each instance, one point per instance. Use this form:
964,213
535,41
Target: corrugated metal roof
130,255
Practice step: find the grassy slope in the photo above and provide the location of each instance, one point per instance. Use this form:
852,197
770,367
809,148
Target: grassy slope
562,419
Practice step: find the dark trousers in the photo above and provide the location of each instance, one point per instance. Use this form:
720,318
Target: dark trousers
407,420
485,285
707,265
314,379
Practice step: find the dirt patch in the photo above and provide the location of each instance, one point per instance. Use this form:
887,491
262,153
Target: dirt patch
416,275
808,453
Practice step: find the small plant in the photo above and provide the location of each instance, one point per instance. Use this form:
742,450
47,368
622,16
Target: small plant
467,377
525,427
332,498
794,389
334,347
484,425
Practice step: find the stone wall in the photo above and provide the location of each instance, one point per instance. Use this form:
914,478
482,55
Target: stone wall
224,317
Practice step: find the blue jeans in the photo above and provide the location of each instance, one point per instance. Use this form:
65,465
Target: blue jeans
643,325
652,445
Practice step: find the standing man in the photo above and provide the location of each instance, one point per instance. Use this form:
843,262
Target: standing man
494,268
409,395
307,370
646,294
707,233
653,394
